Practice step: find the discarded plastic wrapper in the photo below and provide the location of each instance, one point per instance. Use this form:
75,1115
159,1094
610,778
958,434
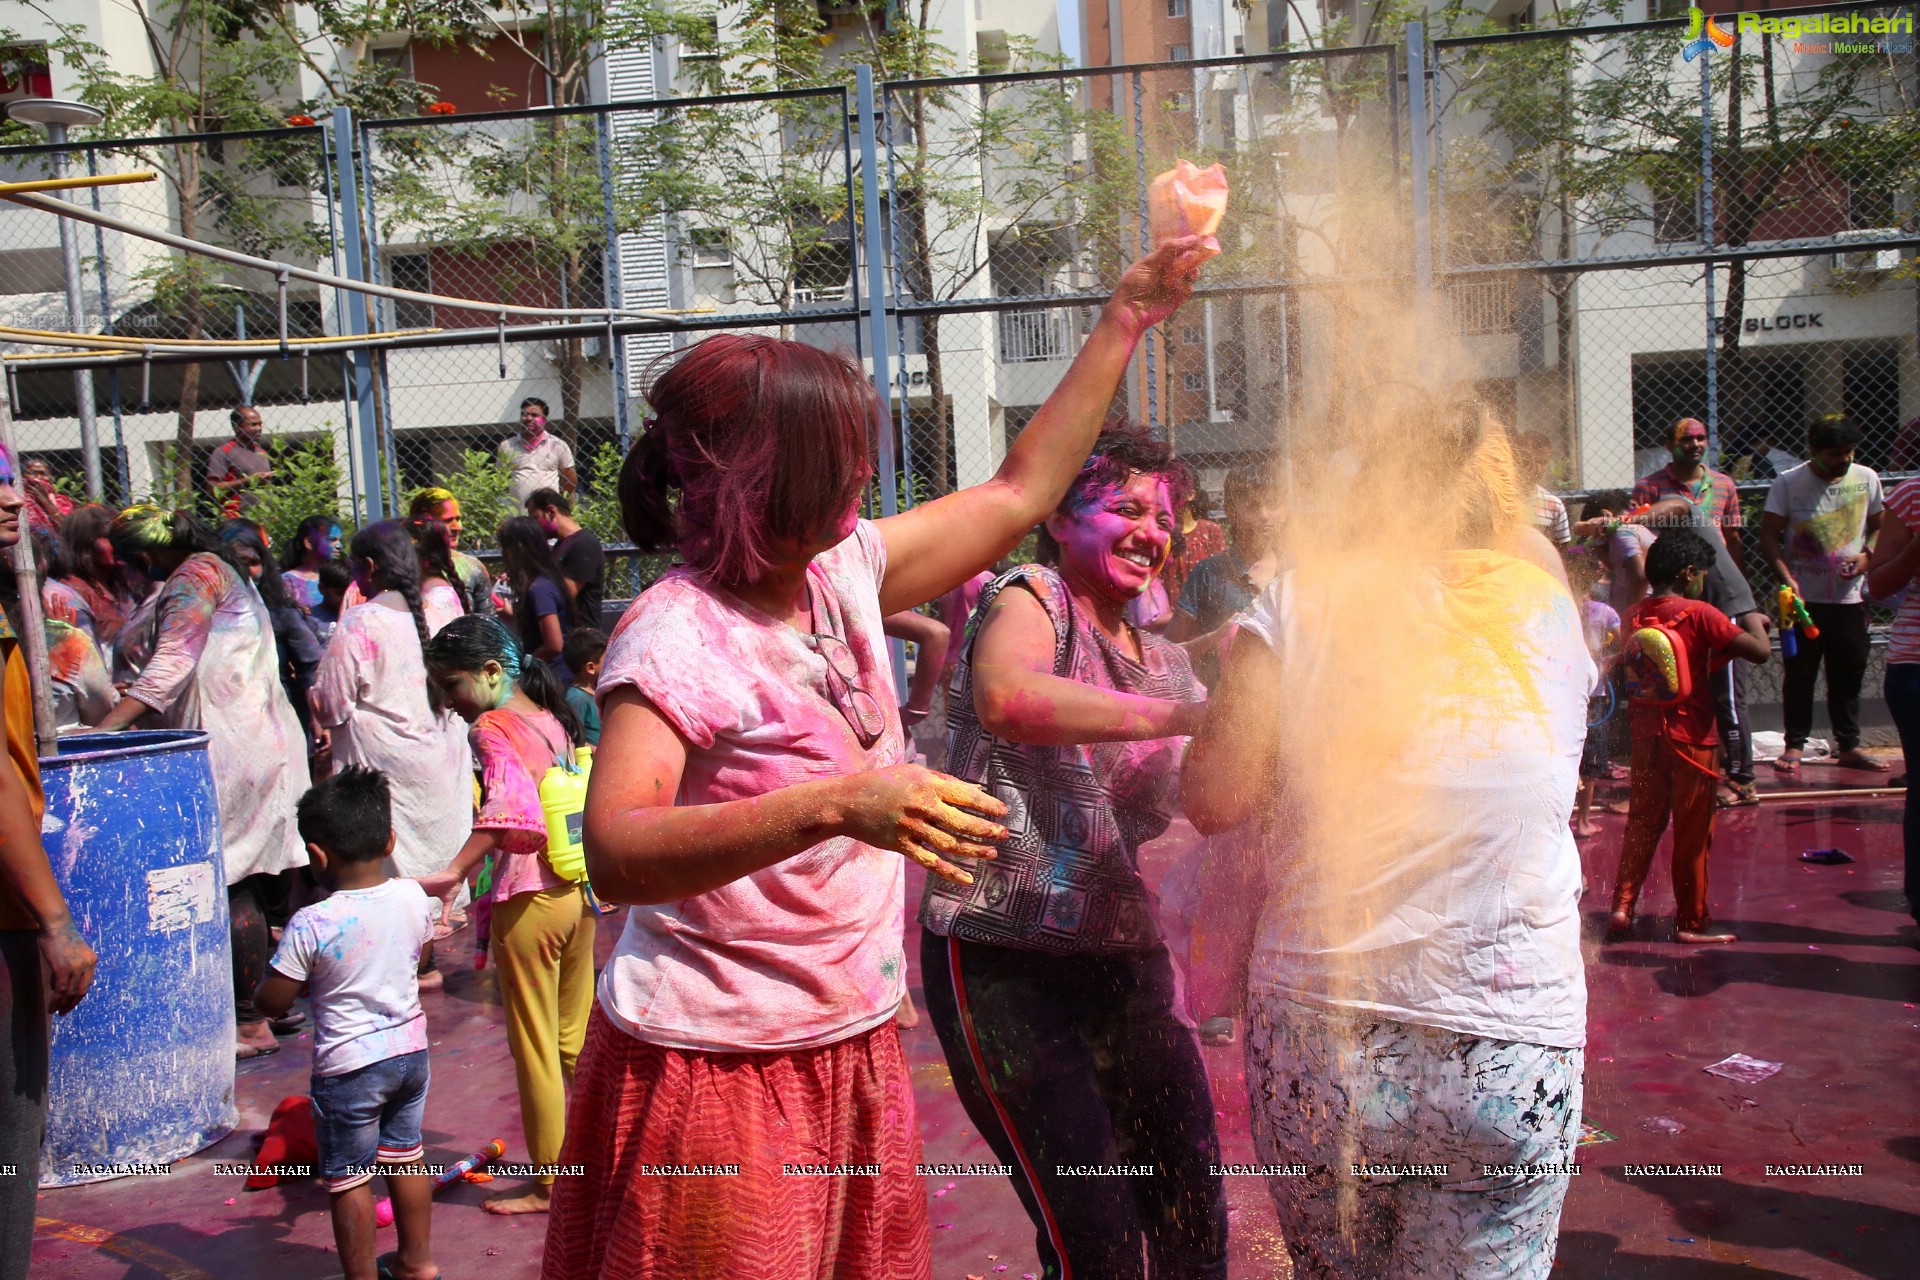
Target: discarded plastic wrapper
1663,1124
1827,857
1186,201
1746,1070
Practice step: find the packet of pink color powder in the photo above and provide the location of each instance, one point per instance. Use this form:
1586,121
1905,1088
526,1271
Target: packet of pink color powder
1186,200
1744,1069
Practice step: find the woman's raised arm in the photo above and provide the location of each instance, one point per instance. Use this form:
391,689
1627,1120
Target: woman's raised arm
933,548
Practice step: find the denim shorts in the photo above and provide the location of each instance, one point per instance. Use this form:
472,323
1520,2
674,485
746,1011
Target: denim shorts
368,1117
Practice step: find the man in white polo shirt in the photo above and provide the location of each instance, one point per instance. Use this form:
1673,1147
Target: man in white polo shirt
536,459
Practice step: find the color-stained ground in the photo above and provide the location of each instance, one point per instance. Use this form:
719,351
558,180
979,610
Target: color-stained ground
1823,980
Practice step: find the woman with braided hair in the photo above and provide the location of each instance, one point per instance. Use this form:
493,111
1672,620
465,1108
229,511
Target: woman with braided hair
372,693
214,666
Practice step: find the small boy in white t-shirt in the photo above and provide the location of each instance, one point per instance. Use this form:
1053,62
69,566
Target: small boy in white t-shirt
356,953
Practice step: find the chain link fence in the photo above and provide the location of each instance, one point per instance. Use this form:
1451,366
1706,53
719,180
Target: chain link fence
157,420
709,214
1016,200
1639,223
1617,235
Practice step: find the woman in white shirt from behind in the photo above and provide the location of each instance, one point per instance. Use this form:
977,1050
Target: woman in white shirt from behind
1414,691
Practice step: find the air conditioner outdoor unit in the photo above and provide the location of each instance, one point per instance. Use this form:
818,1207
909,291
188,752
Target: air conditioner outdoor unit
1877,258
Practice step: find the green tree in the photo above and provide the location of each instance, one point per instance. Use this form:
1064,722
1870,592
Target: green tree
1600,133
769,177
218,65
523,202
306,482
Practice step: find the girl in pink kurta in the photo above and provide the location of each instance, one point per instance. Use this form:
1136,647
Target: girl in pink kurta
537,923
751,803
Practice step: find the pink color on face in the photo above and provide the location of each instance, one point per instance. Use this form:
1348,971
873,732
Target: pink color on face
1119,540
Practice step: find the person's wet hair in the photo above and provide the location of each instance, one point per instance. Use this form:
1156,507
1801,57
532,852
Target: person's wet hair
754,441
1674,554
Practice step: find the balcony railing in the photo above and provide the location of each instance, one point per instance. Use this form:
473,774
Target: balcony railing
1030,336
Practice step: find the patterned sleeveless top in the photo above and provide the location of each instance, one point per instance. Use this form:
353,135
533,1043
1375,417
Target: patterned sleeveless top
1068,878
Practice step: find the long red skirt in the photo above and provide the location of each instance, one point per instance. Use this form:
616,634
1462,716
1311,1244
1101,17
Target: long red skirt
825,1142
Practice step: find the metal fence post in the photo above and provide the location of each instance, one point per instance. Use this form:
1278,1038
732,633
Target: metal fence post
1420,164
122,473
366,425
901,414
613,287
876,299
1707,238
384,316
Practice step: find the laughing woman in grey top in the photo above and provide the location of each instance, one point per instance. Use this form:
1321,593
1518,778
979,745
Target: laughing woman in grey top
1047,979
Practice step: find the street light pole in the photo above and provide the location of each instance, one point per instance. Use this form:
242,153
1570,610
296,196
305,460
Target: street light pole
55,114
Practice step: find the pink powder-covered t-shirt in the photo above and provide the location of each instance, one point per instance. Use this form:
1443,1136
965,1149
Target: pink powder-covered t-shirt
808,951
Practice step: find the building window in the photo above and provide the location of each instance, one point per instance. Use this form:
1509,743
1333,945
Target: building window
710,247
1179,53
1676,216
705,45
398,61
1176,8
1196,382
411,271
823,270
1483,304
1192,335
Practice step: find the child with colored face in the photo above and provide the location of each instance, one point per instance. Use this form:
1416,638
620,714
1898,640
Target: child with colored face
536,922
316,543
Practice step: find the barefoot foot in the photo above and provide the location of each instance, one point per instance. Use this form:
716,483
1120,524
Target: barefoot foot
1588,827
1706,935
535,1199
254,1040
907,1016
1619,926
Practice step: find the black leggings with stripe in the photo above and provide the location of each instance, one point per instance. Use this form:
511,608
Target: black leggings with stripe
1068,1064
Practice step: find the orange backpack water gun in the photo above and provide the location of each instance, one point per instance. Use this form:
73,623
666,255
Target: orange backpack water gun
1654,668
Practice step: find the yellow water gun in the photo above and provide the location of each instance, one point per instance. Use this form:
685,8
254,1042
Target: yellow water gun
1793,617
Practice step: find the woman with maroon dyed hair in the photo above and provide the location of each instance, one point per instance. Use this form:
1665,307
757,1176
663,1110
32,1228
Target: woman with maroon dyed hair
750,803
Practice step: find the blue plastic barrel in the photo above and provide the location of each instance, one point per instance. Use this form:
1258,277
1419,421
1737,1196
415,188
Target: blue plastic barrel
143,1069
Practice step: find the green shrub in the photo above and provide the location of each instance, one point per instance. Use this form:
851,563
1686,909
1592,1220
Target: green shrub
307,481
481,487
